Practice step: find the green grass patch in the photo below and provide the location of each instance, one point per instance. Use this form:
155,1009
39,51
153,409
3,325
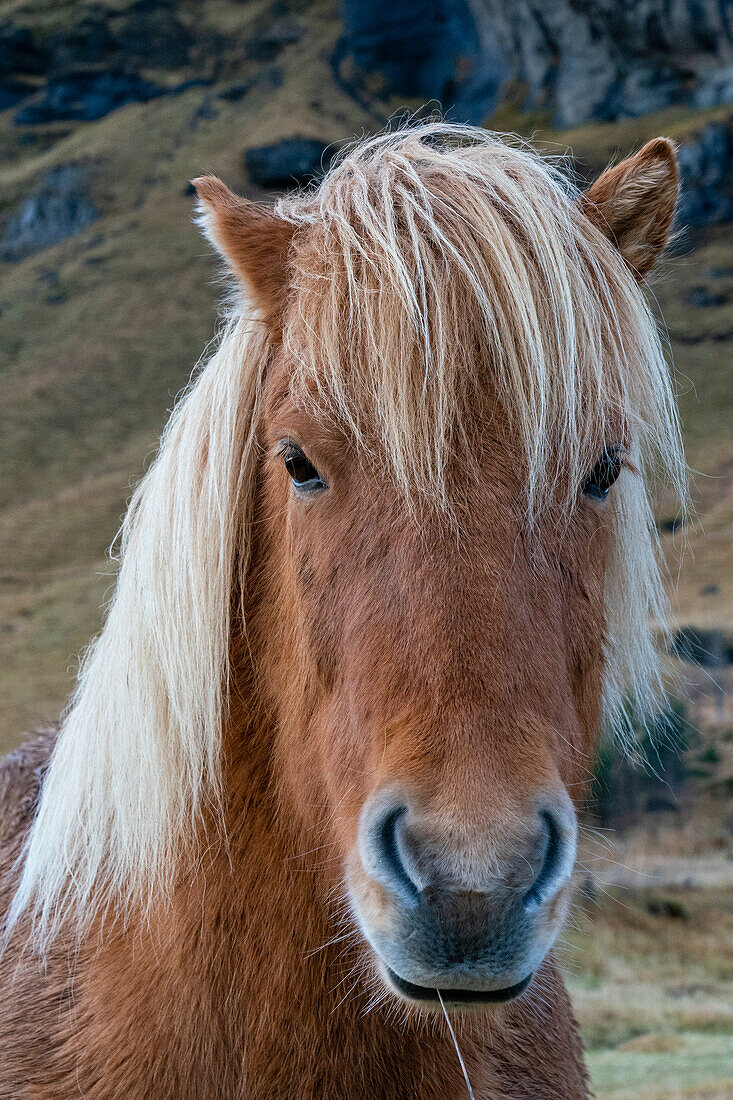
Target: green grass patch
658,1067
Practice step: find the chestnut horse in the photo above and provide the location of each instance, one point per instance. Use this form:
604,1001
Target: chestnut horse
308,826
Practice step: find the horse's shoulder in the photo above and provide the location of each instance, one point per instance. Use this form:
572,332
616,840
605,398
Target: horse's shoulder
21,775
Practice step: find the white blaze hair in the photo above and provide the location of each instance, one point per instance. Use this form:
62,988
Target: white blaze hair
427,238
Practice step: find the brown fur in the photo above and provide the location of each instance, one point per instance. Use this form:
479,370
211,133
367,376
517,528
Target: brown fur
255,244
218,998
633,203
379,646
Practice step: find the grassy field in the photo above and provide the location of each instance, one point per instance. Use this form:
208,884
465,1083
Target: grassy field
98,335
648,951
654,992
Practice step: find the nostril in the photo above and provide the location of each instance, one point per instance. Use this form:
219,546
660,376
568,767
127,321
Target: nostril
553,861
380,852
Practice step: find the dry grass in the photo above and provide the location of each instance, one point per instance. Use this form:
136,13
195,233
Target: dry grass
654,993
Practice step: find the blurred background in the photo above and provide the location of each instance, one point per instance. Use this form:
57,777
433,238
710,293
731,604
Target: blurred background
108,296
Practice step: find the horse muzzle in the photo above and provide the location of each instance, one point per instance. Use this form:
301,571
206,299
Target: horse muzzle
466,917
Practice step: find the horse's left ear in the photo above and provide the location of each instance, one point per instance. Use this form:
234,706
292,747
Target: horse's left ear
252,239
633,203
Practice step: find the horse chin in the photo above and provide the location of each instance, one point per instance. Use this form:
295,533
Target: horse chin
454,998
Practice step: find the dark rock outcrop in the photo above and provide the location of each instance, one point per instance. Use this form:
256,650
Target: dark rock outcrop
148,34
85,96
700,298
706,166
89,41
289,163
60,206
152,34
425,48
19,52
13,92
92,64
605,59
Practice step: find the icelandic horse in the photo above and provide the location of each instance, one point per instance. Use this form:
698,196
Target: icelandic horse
308,825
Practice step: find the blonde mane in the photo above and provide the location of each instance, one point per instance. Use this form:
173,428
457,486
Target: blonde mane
428,246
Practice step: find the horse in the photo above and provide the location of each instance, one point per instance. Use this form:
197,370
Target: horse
308,826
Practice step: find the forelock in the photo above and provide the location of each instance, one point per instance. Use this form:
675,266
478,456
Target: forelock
443,270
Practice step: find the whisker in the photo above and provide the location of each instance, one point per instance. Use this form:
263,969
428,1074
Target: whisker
455,1044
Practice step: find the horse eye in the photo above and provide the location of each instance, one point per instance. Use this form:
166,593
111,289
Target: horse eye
604,473
303,474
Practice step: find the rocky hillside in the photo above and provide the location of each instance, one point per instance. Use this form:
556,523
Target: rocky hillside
604,59
107,295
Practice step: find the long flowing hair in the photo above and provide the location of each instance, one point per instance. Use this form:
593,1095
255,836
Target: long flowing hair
431,242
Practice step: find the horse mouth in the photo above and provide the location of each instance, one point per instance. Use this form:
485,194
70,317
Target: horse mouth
457,996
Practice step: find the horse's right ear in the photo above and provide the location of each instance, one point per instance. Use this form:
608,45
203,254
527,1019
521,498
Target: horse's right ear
253,241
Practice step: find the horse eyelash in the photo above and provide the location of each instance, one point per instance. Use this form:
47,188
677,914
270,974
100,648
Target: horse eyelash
282,447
